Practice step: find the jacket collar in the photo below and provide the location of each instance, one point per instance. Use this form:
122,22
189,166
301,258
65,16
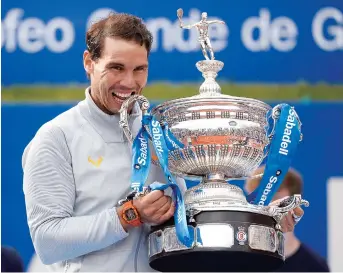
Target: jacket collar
107,126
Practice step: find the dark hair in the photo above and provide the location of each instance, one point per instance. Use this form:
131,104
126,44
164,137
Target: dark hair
120,25
293,182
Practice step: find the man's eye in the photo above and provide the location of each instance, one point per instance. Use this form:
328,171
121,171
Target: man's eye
141,68
118,68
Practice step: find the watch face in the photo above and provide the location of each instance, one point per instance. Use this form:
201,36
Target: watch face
130,214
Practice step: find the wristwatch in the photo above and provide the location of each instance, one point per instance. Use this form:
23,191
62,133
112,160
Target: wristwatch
130,214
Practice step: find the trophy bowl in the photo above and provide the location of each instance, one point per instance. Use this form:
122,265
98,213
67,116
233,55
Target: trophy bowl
223,136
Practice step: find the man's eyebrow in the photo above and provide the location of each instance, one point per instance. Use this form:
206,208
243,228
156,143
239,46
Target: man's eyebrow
142,66
114,64
111,64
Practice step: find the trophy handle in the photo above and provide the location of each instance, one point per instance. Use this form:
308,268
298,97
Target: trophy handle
280,210
123,123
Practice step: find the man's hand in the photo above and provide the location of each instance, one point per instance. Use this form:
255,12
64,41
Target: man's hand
289,221
155,207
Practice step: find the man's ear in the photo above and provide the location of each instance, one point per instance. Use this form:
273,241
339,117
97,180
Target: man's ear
87,62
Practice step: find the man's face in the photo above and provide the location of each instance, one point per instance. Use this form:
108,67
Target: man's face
204,16
121,71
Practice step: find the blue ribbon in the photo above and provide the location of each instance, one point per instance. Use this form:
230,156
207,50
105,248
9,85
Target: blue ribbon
158,140
141,165
141,159
171,141
281,151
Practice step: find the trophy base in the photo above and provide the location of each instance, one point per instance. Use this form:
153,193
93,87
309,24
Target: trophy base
215,260
223,241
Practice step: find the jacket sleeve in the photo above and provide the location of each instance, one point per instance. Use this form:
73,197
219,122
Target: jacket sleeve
49,191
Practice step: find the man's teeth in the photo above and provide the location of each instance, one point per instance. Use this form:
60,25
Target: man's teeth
123,95
118,100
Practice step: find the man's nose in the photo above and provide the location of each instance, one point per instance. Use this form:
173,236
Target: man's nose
128,80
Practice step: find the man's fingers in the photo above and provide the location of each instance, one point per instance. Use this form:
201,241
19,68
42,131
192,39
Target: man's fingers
163,209
168,214
298,212
287,223
153,196
291,219
162,205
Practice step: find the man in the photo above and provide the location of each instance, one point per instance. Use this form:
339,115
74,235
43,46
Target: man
299,257
78,165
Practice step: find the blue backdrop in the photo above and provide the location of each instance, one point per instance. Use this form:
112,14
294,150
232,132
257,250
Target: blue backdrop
265,40
319,157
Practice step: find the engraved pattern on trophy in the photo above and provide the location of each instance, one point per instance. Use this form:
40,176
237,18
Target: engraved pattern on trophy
220,136
156,243
262,238
171,243
209,69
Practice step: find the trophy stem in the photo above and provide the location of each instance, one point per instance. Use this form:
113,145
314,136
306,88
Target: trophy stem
214,177
209,70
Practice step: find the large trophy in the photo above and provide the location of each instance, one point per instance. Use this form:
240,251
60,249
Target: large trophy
212,139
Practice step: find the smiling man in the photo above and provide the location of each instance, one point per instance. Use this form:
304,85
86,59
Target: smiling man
78,165
117,65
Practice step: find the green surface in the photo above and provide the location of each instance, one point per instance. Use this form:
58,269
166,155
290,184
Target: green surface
171,91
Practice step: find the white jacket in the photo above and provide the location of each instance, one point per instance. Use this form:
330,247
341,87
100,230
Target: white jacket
76,168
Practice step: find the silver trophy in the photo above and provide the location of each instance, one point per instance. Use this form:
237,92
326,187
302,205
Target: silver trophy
224,138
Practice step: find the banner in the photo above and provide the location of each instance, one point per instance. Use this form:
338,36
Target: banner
262,41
